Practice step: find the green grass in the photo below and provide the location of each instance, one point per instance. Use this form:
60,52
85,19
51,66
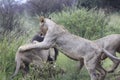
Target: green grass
7,55
70,67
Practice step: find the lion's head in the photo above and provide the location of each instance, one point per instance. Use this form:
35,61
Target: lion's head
45,24
43,27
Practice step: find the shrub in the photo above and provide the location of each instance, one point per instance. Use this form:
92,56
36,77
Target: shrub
84,23
113,25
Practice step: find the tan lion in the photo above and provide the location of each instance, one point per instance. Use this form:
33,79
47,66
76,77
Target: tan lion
112,44
73,46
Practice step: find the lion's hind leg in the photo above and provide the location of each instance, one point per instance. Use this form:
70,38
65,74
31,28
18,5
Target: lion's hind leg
102,71
90,64
115,63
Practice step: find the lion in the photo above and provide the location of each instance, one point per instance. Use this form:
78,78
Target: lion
112,44
36,56
73,46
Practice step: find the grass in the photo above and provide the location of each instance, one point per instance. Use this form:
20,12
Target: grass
70,67
8,47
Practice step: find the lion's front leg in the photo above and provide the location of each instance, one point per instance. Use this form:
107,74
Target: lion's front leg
40,45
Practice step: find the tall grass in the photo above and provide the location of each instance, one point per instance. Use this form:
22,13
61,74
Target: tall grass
8,47
9,43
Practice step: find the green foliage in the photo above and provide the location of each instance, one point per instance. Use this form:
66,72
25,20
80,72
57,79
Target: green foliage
114,24
9,43
88,24
8,47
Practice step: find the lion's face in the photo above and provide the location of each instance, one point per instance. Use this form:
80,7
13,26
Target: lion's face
46,24
43,29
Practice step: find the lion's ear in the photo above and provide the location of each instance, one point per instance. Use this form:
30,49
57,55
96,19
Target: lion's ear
42,19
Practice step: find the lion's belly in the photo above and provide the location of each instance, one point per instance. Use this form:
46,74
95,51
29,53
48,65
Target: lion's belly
72,50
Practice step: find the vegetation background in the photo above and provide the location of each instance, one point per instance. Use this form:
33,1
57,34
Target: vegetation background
19,21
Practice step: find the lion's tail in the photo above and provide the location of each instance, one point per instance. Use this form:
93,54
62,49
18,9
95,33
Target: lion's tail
18,61
110,55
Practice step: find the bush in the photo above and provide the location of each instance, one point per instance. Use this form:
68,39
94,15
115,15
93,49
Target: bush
113,25
84,23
